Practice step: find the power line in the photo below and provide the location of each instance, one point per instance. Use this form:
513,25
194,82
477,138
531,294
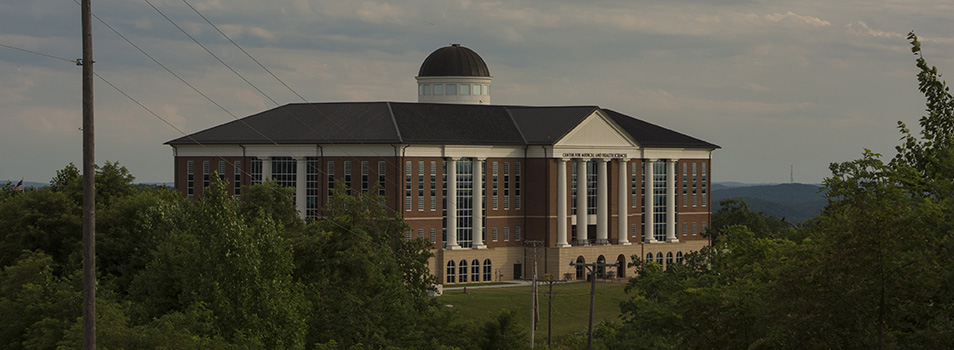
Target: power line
243,51
210,53
39,53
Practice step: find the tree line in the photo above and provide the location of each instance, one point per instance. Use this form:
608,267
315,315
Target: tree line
874,270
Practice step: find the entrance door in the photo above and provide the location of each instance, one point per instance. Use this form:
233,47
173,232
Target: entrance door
517,269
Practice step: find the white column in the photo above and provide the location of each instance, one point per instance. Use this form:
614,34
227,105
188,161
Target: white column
648,211
452,204
561,203
301,171
478,205
602,203
622,192
671,201
266,169
581,210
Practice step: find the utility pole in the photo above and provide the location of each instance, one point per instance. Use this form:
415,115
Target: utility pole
550,281
89,185
534,304
591,267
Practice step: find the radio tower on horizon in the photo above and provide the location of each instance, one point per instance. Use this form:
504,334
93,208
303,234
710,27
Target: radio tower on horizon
791,174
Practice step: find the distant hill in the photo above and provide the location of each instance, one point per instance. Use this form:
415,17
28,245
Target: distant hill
794,202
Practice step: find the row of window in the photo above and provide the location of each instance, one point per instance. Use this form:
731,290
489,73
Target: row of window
206,176
457,272
465,185
453,89
697,228
669,259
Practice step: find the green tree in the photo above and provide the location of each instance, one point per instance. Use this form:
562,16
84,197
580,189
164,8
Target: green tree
40,220
274,201
874,270
356,258
240,268
112,181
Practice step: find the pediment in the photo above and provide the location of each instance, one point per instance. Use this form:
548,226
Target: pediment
596,130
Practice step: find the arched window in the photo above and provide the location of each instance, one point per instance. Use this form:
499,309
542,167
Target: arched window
579,267
451,271
658,260
621,266
475,271
463,271
649,257
668,259
600,267
487,269
679,257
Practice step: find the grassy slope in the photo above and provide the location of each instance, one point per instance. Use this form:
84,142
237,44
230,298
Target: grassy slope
571,305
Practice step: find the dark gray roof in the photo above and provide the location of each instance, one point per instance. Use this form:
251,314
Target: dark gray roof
651,135
454,61
424,123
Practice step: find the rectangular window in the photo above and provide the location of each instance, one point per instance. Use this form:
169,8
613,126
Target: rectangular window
451,89
427,89
516,183
634,233
634,185
190,181
516,233
347,176
506,185
438,89
465,89
420,233
485,89
408,171
694,185
205,174
704,183
433,236
237,178
703,227
312,190
495,234
433,176
256,171
659,200
420,186
222,169
695,228
284,171
642,188
382,178
444,203
506,234
685,228
331,178
495,171
407,235
591,188
465,203
574,178
365,177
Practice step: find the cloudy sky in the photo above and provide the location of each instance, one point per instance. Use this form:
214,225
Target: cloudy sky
775,83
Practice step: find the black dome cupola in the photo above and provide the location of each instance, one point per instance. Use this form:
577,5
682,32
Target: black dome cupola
454,61
454,74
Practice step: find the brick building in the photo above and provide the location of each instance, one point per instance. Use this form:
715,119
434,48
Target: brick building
481,181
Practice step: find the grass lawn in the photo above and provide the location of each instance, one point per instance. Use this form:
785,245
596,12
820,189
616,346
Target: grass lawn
571,305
